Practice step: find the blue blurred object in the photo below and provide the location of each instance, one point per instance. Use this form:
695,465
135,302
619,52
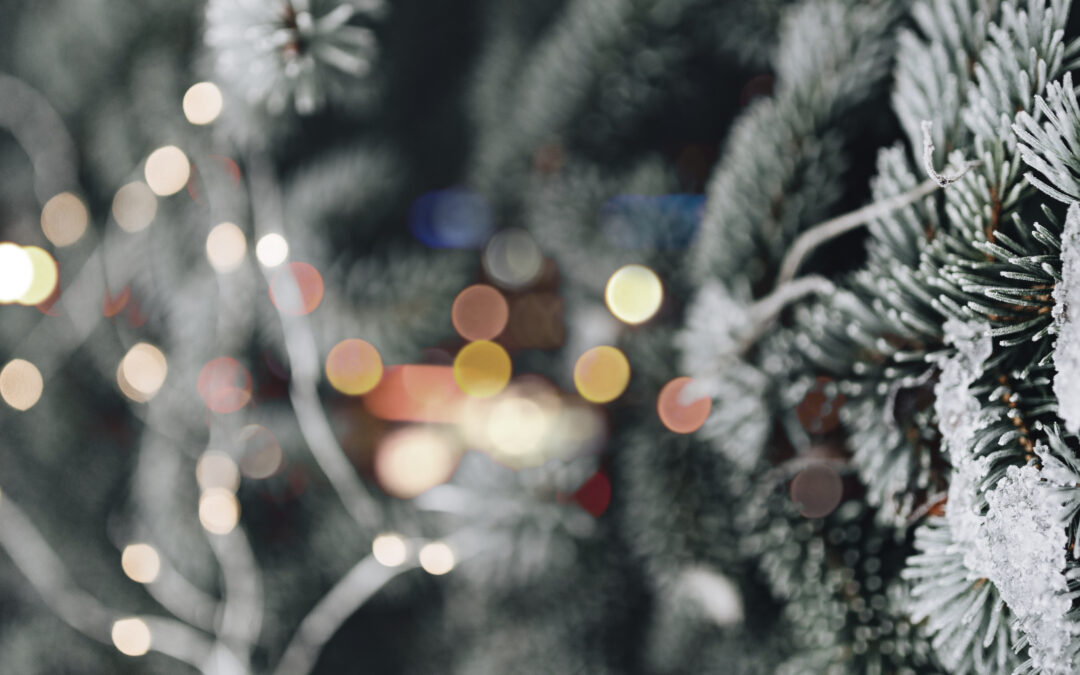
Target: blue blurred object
451,219
652,221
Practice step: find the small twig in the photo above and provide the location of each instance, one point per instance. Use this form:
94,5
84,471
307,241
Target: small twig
942,180
932,502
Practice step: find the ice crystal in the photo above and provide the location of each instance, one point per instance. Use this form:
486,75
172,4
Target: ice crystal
1067,349
959,413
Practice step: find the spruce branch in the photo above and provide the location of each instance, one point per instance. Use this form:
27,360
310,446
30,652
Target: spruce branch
941,179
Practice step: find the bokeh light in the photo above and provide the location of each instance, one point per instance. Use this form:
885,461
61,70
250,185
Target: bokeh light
167,170
131,636
272,249
437,558
45,276
513,259
224,385
21,384
296,289
516,427
16,272
480,312
134,206
64,219
482,368
225,247
390,550
601,374
219,510
202,103
262,456
413,460
817,490
142,372
141,563
215,469
634,293
451,219
353,367
677,413
415,393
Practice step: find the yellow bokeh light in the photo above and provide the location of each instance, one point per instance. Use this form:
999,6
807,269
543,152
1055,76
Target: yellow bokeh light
219,510
215,469
141,563
21,384
64,219
16,272
634,293
390,550
131,636
167,170
225,247
437,558
353,367
482,368
413,460
202,103
272,249
142,372
45,276
601,374
134,206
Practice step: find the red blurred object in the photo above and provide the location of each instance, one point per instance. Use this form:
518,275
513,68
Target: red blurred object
595,495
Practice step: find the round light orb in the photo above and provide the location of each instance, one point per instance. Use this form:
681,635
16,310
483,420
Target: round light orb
482,369
16,272
224,385
413,460
21,384
634,293
513,259
225,247
219,510
272,249
142,372
516,428
141,563
167,170
437,558
354,367
296,289
131,636
262,455
64,219
45,276
215,469
202,103
678,415
480,312
134,206
817,490
390,550
601,374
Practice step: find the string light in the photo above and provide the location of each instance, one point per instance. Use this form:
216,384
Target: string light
64,219
219,511
390,550
202,103
16,272
167,170
215,469
634,293
134,206
21,384
353,367
677,414
437,558
142,372
272,249
141,563
601,374
411,461
480,312
44,278
131,636
482,368
225,247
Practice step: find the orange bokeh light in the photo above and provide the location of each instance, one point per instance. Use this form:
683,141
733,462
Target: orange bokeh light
480,312
353,367
416,393
678,415
224,385
296,289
